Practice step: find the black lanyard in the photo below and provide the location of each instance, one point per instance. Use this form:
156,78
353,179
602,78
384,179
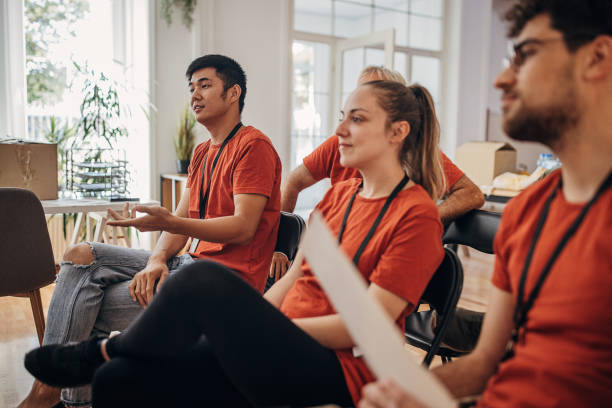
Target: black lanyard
204,197
381,214
522,307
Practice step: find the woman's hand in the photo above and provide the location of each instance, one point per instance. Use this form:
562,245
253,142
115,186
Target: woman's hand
386,394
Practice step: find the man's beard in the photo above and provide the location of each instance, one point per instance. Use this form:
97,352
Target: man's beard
545,125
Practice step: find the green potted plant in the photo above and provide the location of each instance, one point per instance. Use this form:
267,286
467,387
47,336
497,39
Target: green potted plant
185,140
101,111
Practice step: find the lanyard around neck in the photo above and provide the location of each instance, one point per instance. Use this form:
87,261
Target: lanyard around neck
523,306
204,197
381,214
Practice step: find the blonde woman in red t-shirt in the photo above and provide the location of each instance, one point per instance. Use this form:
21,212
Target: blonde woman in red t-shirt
209,339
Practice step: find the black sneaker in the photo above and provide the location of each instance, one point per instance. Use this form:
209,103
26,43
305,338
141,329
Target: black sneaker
66,365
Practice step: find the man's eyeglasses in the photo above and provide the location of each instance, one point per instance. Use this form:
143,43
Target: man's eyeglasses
518,54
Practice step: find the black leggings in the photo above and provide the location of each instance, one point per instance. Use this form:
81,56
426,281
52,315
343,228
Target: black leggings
251,354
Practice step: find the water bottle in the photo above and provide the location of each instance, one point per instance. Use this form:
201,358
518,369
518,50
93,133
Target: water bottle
548,162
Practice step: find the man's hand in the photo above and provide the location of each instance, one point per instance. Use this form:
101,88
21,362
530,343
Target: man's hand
157,219
279,265
141,287
125,213
386,394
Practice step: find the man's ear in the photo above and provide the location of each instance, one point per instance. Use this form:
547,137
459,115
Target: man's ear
598,63
234,93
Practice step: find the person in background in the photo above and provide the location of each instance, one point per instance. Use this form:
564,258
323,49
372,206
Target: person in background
461,196
546,339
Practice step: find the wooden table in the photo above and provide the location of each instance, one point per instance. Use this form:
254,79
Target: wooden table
171,188
87,207
496,199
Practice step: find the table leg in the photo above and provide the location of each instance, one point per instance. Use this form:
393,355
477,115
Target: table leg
88,236
99,233
173,195
78,224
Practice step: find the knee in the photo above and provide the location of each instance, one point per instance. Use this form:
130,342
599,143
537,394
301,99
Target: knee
205,279
79,254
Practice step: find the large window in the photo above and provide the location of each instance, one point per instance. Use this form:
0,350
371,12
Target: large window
320,26
80,51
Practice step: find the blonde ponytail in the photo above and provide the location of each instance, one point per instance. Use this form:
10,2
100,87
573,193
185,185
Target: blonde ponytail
419,153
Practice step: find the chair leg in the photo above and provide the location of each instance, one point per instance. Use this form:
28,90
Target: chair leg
37,311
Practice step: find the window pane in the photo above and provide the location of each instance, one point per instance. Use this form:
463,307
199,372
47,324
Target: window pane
400,5
432,8
310,118
313,16
385,19
426,71
352,64
374,56
352,20
400,63
425,33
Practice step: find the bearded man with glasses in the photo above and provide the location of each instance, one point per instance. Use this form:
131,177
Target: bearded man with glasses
546,339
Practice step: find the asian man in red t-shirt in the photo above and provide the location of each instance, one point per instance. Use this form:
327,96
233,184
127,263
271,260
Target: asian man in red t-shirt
230,208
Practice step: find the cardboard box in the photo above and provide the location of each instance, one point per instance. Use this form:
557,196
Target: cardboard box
483,161
29,165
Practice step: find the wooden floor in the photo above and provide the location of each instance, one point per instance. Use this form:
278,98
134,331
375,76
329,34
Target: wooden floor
18,334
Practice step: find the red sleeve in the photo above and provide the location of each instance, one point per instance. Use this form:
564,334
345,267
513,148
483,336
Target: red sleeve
452,173
195,166
319,163
255,172
501,277
416,242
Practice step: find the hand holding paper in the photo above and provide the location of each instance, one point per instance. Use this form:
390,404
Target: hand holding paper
370,327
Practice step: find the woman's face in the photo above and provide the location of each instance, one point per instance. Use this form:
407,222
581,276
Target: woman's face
362,133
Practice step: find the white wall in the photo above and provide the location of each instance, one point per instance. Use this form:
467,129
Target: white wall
256,34
471,61
172,54
498,51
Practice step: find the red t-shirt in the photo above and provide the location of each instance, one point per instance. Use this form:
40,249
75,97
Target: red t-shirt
248,165
324,162
564,356
401,257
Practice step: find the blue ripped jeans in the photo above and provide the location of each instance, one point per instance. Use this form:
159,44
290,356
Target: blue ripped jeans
95,299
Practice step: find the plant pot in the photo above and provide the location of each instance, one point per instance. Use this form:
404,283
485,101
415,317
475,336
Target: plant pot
182,166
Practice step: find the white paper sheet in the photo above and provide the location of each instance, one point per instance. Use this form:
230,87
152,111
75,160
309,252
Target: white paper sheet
377,337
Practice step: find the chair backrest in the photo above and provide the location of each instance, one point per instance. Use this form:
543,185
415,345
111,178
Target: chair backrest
475,229
289,232
26,257
442,294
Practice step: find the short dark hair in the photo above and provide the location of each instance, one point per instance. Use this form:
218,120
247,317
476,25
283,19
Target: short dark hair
230,72
579,20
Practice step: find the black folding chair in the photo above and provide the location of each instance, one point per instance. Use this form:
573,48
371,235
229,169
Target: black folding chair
289,232
442,294
477,230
